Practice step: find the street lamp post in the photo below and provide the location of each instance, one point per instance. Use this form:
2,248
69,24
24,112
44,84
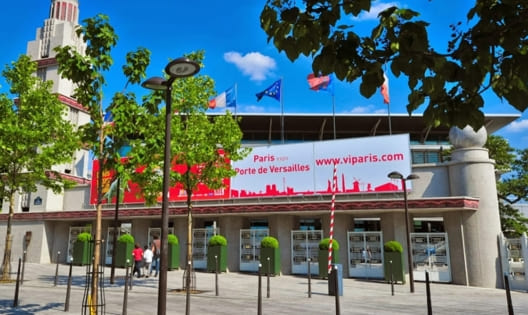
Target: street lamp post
398,175
178,68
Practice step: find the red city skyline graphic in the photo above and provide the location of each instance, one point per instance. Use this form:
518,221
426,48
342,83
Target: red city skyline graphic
272,190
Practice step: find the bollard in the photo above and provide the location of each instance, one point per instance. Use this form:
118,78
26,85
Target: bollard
336,288
68,289
131,275
268,284
15,302
125,295
309,279
508,294
57,270
428,292
216,275
259,304
391,278
23,267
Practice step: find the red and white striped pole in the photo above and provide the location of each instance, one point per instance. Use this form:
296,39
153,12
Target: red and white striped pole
332,207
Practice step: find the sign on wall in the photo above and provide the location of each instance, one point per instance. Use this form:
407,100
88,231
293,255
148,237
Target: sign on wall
303,169
307,168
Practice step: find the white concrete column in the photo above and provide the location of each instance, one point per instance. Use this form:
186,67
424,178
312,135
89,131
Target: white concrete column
281,227
180,230
472,174
230,228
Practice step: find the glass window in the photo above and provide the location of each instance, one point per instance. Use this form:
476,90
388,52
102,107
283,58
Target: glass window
309,224
418,157
362,225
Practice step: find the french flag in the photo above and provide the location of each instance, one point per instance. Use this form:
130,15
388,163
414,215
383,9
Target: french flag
319,83
224,99
385,89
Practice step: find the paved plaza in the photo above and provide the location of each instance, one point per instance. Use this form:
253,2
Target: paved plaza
238,294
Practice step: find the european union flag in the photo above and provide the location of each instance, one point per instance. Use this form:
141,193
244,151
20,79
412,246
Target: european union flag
273,90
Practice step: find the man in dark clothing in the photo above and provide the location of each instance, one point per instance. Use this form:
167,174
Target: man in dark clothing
156,248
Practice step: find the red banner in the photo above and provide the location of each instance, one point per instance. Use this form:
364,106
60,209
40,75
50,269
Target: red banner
132,191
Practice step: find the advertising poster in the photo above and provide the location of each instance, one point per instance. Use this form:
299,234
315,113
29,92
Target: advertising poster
307,168
298,169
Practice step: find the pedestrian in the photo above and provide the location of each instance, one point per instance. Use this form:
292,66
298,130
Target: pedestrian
156,245
147,260
138,259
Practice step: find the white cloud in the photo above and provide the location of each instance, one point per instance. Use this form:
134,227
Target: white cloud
253,64
375,10
517,126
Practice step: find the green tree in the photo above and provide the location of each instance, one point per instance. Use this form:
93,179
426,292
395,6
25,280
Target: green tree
488,53
34,137
202,146
87,70
512,187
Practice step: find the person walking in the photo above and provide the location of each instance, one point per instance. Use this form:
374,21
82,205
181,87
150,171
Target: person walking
137,253
156,247
147,260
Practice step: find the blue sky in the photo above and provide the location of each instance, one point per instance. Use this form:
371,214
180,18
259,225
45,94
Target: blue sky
237,51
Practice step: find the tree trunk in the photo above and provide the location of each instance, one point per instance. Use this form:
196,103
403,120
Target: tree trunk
97,244
6,263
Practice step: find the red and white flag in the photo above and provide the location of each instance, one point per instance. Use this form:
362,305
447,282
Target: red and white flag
385,89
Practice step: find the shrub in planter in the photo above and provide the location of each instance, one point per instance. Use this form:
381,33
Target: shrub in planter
393,261
125,245
217,240
82,249
269,248
393,246
324,244
217,246
174,251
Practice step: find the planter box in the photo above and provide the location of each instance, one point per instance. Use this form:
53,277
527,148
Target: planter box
124,252
221,252
274,262
174,256
398,274
82,253
323,261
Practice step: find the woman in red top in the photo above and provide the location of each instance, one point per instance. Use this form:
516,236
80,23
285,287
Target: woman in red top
138,259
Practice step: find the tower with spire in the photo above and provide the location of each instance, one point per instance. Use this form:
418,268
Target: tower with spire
59,30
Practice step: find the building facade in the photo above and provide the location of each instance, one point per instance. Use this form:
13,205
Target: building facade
452,205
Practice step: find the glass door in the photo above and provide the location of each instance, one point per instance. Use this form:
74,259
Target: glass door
431,252
200,239
250,248
305,245
365,254
110,240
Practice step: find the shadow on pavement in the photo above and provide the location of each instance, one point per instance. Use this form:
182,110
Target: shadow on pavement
79,281
6,307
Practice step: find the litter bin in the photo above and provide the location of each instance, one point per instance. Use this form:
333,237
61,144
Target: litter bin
335,276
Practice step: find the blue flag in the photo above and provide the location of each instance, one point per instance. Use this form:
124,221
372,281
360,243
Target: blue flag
273,90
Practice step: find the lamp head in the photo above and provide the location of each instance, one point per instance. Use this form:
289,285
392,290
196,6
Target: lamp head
398,175
412,176
155,83
182,67
395,175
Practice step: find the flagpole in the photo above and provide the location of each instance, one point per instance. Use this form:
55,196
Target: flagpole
332,210
333,114
282,111
389,116
236,99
